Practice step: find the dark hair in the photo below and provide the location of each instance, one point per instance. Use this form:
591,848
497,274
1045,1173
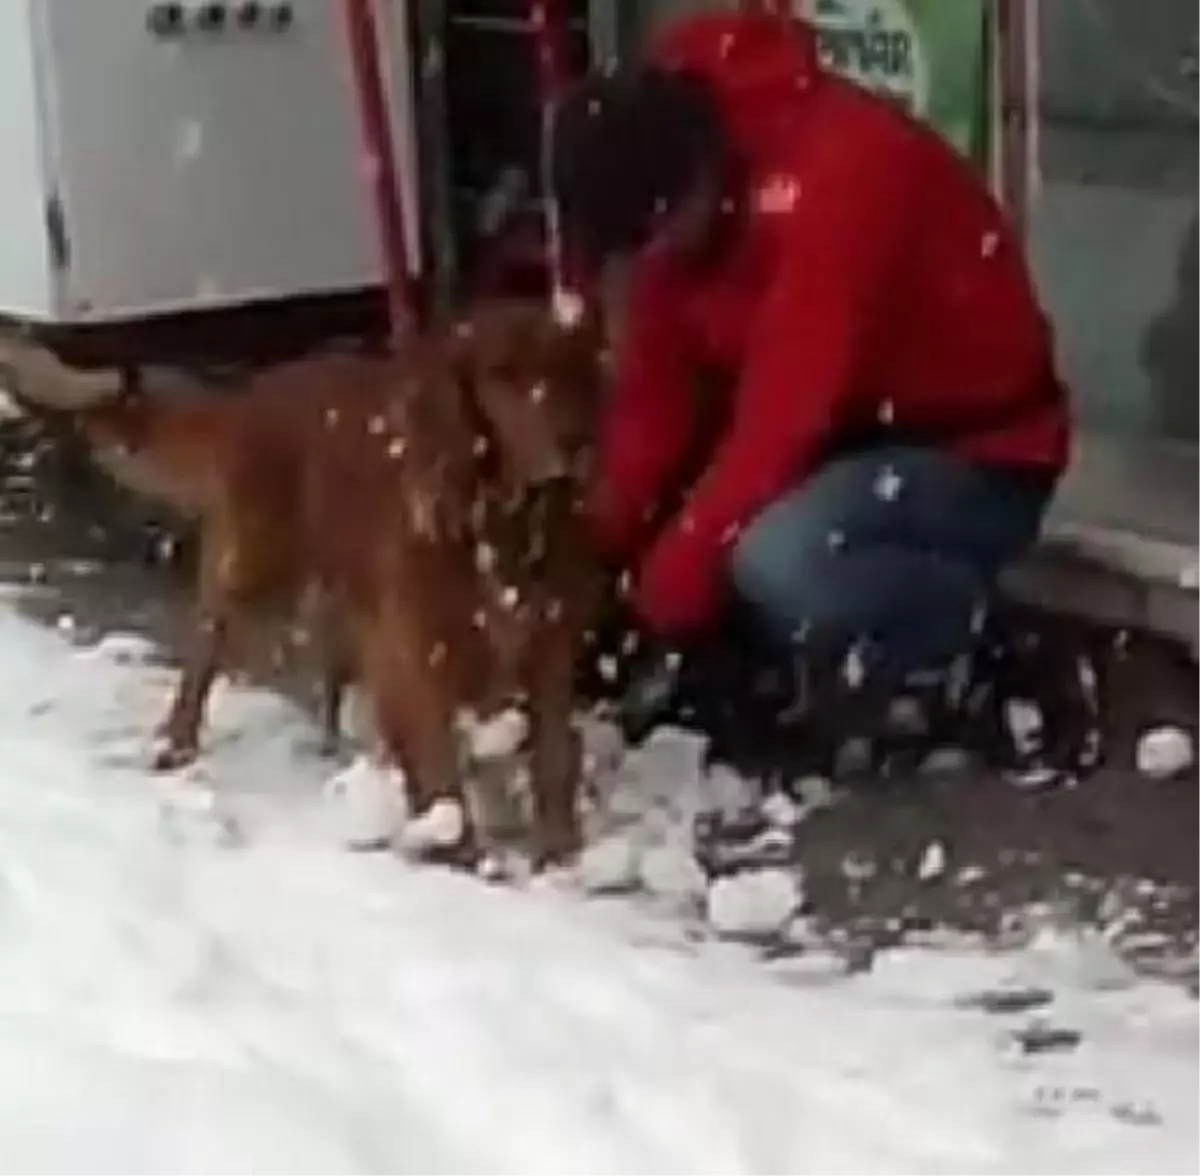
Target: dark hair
625,149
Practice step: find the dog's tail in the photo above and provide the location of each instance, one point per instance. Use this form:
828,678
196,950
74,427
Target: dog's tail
160,446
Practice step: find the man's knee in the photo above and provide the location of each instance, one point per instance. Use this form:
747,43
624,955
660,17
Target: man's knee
776,568
806,582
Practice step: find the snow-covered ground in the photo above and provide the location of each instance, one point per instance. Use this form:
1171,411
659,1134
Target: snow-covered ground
197,976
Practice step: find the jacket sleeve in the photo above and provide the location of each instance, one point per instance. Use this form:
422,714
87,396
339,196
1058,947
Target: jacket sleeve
839,248
649,423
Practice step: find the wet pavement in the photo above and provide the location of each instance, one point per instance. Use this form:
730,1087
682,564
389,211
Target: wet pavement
962,849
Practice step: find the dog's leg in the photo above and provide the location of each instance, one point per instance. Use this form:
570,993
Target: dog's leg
334,681
407,675
235,572
556,755
337,672
180,731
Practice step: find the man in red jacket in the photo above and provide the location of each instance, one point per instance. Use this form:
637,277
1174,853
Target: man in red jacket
893,426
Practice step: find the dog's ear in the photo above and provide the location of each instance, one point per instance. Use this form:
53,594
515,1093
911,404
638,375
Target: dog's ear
438,429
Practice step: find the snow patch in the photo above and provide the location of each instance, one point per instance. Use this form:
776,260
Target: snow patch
365,803
124,649
611,865
497,737
190,1004
754,903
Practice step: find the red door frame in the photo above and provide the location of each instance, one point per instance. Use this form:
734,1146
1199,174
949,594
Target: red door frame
379,161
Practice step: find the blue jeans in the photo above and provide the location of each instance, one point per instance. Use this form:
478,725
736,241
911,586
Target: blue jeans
895,550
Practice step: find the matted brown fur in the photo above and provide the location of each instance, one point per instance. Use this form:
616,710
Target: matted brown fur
427,505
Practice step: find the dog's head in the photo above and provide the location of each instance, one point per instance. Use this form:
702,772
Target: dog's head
533,382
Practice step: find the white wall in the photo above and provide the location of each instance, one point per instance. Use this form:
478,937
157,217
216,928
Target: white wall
1114,231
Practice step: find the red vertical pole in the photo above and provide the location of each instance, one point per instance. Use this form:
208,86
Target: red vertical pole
379,159
548,21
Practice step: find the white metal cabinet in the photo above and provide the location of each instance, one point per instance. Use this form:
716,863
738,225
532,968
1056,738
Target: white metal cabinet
26,288
198,168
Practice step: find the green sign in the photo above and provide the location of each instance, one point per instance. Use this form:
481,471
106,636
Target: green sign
928,55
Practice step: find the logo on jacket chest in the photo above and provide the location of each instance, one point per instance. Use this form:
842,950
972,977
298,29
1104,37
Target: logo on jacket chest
777,194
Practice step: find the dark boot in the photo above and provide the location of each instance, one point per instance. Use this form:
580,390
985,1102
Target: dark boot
1036,711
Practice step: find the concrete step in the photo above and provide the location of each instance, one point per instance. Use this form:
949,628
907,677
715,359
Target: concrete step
1121,542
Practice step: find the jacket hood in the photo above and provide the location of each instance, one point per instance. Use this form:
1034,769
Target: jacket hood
760,67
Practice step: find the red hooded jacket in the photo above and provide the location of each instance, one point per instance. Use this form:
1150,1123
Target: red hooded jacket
874,280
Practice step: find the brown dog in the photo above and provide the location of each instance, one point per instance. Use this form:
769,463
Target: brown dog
427,504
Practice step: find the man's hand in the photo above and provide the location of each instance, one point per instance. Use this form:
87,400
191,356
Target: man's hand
680,584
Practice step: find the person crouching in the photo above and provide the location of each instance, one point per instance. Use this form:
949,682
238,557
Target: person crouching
893,426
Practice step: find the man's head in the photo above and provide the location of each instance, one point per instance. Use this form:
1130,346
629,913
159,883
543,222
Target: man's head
639,158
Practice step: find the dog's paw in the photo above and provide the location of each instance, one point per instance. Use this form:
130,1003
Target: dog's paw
328,746
170,755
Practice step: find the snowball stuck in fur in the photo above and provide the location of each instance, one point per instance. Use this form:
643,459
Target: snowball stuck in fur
441,826
568,308
1164,752
497,737
365,804
753,903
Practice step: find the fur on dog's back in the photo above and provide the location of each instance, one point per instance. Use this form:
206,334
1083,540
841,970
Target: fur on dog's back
166,451
183,451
